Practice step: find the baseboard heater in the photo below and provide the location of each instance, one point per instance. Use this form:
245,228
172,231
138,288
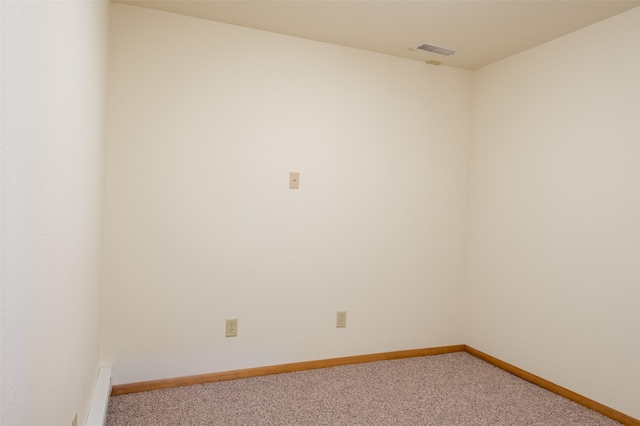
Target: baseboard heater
100,403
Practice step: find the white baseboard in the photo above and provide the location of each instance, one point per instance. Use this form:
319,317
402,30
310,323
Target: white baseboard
100,403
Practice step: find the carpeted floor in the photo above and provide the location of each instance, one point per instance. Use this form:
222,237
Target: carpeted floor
452,389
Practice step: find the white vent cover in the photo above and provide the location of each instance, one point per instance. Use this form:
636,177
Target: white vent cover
436,49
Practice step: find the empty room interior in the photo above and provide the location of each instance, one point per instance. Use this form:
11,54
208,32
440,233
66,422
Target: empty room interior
489,202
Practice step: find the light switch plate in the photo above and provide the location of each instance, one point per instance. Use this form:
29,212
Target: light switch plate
294,180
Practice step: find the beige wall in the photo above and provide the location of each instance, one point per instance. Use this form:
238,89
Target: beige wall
206,121
554,279
53,98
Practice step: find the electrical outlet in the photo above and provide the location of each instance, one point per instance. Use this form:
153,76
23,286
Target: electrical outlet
341,319
232,328
74,422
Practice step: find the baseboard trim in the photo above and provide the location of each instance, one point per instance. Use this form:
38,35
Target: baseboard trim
335,362
550,386
278,369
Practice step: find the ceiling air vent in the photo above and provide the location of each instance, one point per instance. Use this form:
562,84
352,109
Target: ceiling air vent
436,49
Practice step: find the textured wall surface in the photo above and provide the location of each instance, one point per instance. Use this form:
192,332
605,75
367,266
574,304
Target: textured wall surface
554,273
206,121
53,105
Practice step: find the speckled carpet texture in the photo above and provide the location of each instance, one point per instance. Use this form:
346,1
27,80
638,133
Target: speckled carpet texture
452,389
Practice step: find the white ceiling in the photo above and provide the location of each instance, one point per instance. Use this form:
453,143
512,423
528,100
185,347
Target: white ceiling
480,31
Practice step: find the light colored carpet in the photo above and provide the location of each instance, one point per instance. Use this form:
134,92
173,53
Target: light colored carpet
452,389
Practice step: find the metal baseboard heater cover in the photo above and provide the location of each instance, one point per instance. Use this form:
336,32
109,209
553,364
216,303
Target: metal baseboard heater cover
100,403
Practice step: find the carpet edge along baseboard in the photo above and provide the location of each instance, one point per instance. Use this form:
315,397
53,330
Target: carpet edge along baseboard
278,369
384,356
559,390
